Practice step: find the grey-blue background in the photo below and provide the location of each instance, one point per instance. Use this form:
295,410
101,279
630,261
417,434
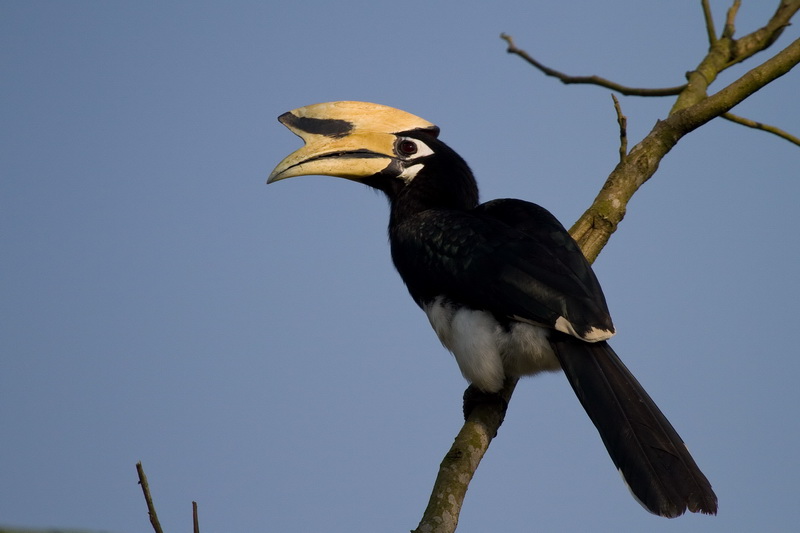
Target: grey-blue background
253,346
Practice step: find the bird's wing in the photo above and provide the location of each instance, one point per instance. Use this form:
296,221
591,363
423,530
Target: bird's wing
510,257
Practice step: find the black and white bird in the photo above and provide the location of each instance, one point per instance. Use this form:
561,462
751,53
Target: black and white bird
504,285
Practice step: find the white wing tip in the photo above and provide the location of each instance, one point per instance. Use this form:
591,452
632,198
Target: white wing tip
593,335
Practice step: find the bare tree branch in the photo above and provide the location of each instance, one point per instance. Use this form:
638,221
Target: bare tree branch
596,225
730,28
151,509
461,462
593,229
761,126
764,37
622,120
723,53
726,52
195,520
712,32
590,80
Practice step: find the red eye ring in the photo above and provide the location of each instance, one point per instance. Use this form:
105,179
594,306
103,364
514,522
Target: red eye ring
406,147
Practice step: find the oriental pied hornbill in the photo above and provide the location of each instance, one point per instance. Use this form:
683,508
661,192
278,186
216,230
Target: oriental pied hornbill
505,287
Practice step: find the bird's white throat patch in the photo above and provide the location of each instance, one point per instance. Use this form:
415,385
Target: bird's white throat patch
411,172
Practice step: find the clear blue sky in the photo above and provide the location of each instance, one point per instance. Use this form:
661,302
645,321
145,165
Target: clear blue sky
253,345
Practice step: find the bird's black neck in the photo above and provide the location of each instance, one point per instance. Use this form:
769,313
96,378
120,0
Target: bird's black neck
445,182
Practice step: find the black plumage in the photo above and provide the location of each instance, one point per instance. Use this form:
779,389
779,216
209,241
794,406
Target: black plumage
644,446
504,285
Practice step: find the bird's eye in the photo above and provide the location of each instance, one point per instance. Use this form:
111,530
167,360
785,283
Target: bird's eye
406,147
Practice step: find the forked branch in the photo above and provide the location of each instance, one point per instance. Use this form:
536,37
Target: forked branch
596,225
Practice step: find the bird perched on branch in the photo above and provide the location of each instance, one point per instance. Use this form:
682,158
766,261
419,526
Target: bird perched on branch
504,285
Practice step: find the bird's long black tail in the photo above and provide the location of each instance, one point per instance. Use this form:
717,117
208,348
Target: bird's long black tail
642,443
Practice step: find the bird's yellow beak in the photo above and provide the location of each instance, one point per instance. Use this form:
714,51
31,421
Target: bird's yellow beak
352,140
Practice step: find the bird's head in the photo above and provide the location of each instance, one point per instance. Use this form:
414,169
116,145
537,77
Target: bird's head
374,144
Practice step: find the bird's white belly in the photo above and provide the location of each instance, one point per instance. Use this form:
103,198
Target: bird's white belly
487,352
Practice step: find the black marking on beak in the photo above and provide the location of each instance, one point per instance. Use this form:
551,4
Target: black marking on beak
353,154
329,127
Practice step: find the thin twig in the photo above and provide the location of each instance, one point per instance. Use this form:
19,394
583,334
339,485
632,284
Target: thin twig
151,509
712,32
589,80
761,126
195,521
622,120
730,27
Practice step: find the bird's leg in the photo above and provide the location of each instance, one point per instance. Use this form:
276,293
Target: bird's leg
474,397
